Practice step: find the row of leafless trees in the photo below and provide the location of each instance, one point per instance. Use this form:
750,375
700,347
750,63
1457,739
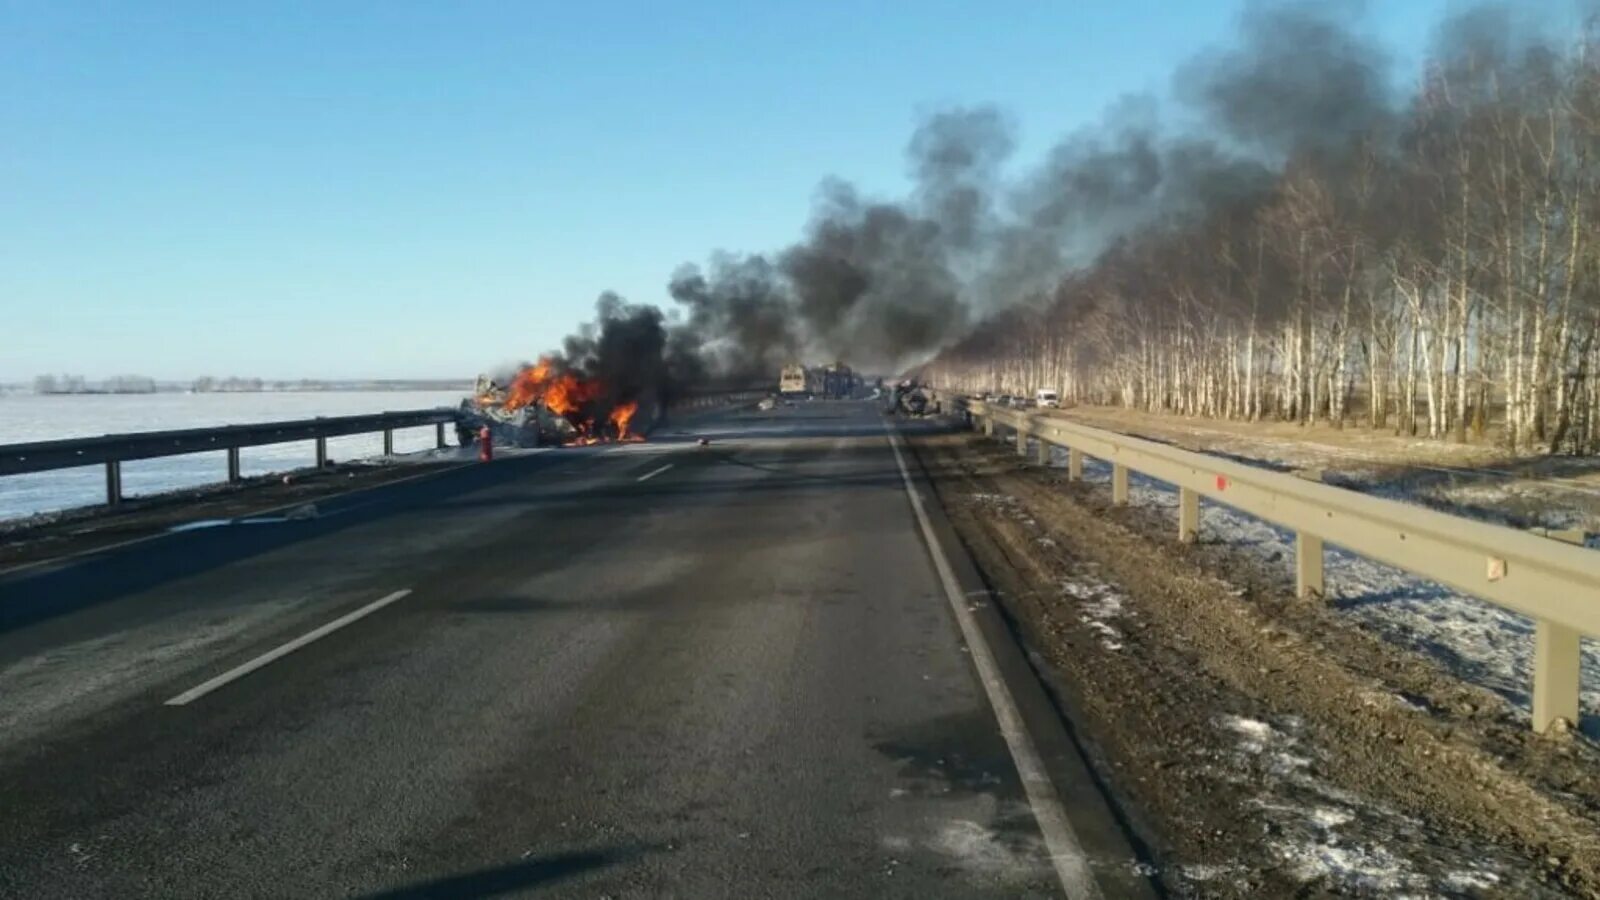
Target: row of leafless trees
1438,275
77,384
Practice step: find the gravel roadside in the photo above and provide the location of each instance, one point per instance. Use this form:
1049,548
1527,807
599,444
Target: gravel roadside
1263,746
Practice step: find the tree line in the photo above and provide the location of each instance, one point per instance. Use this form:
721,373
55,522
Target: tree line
77,384
1436,273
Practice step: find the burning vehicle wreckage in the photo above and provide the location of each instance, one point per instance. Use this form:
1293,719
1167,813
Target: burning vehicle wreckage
544,405
911,399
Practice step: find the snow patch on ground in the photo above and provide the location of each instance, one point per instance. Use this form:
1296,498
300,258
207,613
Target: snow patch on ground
1257,738
1004,501
1316,825
1206,871
1353,867
1099,605
1471,880
982,848
1001,851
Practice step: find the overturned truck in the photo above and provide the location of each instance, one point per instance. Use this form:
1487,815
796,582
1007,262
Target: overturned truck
550,404
510,423
911,399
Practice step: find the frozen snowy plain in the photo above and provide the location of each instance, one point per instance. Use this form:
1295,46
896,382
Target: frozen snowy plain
30,417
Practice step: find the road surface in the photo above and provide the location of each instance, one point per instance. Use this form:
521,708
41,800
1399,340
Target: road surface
655,669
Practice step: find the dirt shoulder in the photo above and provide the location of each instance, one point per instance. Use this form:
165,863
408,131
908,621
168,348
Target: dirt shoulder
1266,746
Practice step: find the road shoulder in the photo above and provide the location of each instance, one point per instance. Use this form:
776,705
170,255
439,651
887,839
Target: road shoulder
1116,855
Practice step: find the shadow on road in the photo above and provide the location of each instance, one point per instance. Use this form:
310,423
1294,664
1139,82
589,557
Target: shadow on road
517,876
42,593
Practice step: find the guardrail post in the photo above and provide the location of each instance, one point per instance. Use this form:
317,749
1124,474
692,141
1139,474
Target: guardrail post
1119,484
1074,464
1188,515
1022,442
113,482
988,427
1308,555
1556,664
438,435
1043,447
233,465
322,453
1555,675
388,442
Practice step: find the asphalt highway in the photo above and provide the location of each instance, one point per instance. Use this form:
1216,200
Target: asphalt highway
660,669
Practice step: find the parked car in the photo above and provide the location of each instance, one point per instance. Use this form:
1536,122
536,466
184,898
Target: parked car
1047,399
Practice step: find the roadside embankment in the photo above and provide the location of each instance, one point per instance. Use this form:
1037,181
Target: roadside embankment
1262,745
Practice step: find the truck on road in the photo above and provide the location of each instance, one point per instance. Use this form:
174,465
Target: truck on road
792,380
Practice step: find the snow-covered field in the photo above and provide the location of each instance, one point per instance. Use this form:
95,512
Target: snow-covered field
1480,642
29,417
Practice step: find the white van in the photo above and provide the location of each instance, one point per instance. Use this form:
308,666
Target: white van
1047,399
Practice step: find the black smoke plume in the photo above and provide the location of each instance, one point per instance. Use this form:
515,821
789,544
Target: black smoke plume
741,312
882,282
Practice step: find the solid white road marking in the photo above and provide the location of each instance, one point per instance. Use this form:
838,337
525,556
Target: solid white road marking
654,472
1066,854
204,688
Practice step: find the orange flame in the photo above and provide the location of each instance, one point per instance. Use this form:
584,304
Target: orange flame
528,386
621,416
565,394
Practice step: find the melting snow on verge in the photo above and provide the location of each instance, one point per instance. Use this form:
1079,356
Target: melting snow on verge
1099,604
1320,832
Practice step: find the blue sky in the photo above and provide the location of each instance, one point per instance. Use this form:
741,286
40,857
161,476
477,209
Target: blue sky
395,189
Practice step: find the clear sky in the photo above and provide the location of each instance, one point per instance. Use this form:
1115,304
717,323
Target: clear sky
391,189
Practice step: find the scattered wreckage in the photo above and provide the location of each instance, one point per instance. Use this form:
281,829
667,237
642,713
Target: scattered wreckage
911,399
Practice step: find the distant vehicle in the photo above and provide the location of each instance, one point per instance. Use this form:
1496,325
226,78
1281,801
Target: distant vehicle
837,382
792,380
1047,399
1003,400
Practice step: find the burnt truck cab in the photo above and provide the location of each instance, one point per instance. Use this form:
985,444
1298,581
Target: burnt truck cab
530,425
792,381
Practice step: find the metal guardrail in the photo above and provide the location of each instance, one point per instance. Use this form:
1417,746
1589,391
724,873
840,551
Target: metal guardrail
718,398
113,450
1554,583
